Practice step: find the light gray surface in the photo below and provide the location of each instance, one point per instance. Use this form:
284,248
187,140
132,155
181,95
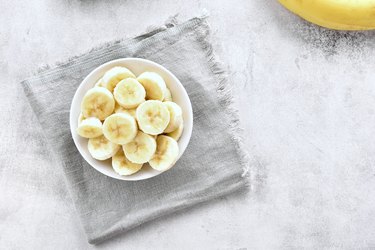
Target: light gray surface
306,98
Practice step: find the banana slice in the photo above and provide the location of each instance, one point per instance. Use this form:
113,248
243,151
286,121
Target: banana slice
131,112
166,153
102,149
141,149
120,109
99,83
114,76
120,128
154,85
153,117
177,133
167,95
123,166
80,118
90,128
129,93
98,102
175,113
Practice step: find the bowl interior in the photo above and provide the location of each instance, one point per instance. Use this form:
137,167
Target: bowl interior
137,66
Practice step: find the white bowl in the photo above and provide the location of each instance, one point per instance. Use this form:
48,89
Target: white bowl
137,66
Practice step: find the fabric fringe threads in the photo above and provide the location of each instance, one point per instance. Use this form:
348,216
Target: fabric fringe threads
226,99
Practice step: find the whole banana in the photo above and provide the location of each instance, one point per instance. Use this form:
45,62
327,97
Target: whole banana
335,14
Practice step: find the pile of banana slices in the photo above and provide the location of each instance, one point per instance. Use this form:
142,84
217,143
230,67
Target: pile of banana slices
132,120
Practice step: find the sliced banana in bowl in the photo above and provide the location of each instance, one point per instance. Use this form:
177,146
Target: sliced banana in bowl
123,166
154,85
167,96
119,109
176,134
101,148
114,76
175,116
131,119
90,127
153,117
129,93
141,149
98,102
166,153
120,128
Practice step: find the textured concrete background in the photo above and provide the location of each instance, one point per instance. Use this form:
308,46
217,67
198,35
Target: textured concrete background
307,101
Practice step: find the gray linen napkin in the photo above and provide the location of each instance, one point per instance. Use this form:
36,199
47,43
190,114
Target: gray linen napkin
214,164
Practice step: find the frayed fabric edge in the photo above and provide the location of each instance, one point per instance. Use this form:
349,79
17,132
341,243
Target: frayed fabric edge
226,99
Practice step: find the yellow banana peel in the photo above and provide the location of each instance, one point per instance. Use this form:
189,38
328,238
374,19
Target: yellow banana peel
335,14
